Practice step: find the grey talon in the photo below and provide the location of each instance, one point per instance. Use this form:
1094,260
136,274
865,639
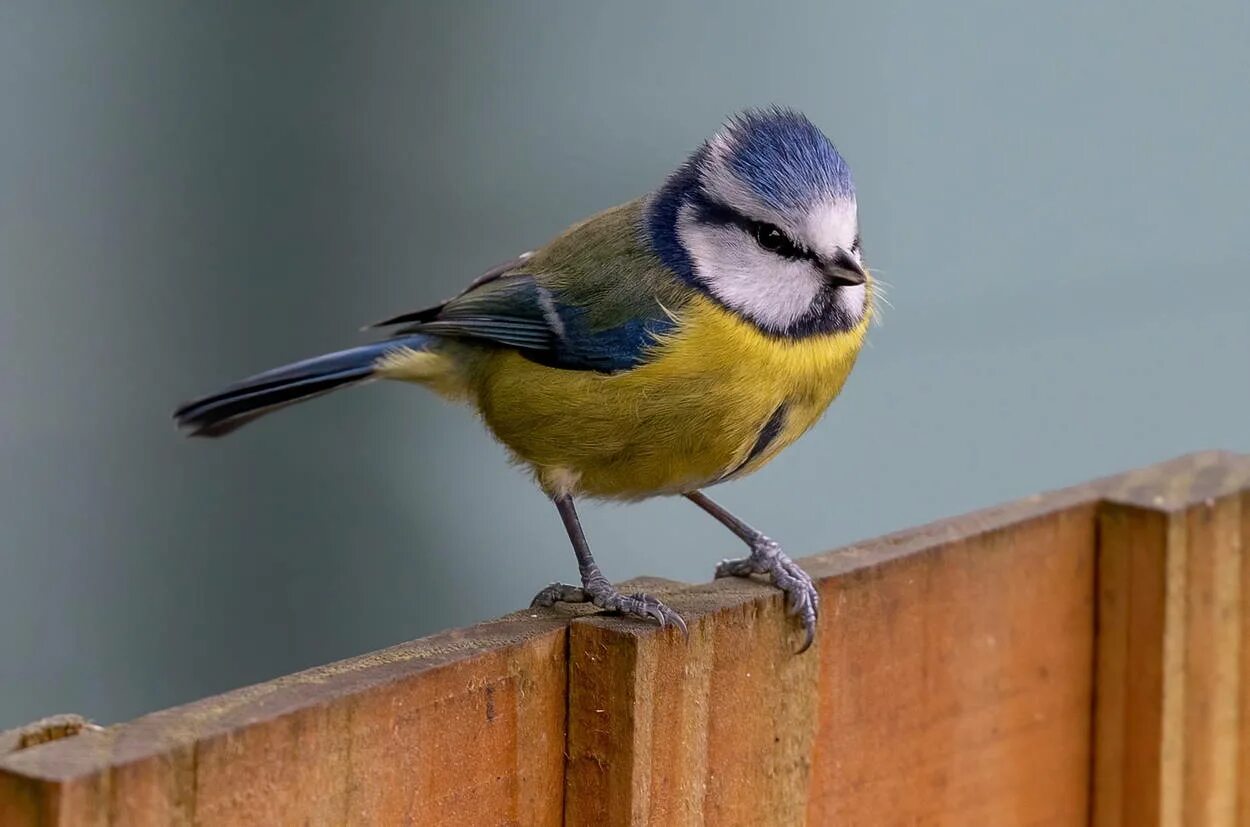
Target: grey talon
595,588
558,593
766,557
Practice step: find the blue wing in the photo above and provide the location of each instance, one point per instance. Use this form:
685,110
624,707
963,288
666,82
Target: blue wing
519,311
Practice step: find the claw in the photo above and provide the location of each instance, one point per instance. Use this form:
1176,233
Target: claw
654,612
743,567
558,593
809,635
802,600
602,594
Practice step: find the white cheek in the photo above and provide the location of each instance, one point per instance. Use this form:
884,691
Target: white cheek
852,301
773,292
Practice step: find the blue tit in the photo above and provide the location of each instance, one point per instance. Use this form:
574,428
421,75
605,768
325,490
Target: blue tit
663,346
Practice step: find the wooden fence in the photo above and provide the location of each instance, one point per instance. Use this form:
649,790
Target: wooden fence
1075,658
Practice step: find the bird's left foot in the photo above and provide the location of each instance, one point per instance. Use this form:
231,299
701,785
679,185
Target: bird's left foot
601,593
802,598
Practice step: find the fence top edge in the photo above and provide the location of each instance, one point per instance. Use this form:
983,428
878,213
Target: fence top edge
1182,483
1173,485
1168,486
179,727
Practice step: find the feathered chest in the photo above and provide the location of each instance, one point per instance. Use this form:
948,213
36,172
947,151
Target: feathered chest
715,398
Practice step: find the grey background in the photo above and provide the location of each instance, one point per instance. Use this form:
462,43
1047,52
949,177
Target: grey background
189,193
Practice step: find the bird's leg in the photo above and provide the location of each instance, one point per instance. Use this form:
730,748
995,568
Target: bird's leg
595,587
766,557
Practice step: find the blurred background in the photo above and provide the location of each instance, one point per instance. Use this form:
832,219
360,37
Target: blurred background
193,192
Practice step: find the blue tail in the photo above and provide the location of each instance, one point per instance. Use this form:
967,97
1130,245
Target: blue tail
239,404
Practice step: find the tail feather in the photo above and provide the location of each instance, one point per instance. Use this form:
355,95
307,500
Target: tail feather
223,412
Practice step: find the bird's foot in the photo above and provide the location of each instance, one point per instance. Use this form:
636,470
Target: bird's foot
601,593
802,598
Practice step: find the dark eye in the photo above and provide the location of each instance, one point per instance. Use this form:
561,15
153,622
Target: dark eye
774,240
855,245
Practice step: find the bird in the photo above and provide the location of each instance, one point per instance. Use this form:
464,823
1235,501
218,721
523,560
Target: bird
658,348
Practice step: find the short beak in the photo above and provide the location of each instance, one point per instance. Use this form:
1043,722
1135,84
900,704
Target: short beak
843,270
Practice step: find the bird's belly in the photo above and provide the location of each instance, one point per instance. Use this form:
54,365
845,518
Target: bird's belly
717,399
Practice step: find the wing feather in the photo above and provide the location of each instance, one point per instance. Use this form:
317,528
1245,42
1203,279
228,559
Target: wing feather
593,299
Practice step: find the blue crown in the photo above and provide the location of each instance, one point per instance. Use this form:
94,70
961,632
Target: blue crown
786,161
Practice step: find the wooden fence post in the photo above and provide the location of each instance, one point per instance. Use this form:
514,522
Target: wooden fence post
953,669
1072,658
462,728
1173,701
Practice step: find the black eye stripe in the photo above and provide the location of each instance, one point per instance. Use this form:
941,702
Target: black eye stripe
713,212
708,211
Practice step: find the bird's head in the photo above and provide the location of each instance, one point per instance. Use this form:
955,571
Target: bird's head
762,217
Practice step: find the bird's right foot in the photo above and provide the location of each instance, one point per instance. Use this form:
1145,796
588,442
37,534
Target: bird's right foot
603,594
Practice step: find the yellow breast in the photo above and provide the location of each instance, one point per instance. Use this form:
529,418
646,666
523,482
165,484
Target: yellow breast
718,398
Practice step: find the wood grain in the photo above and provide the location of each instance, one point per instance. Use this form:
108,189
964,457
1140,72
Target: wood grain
464,728
954,679
1075,657
714,730
948,686
1132,579
955,685
1170,746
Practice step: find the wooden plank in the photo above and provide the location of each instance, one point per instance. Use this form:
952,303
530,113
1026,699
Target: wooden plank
1172,680
989,669
956,684
668,731
954,678
461,728
1132,580
1212,660
951,684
